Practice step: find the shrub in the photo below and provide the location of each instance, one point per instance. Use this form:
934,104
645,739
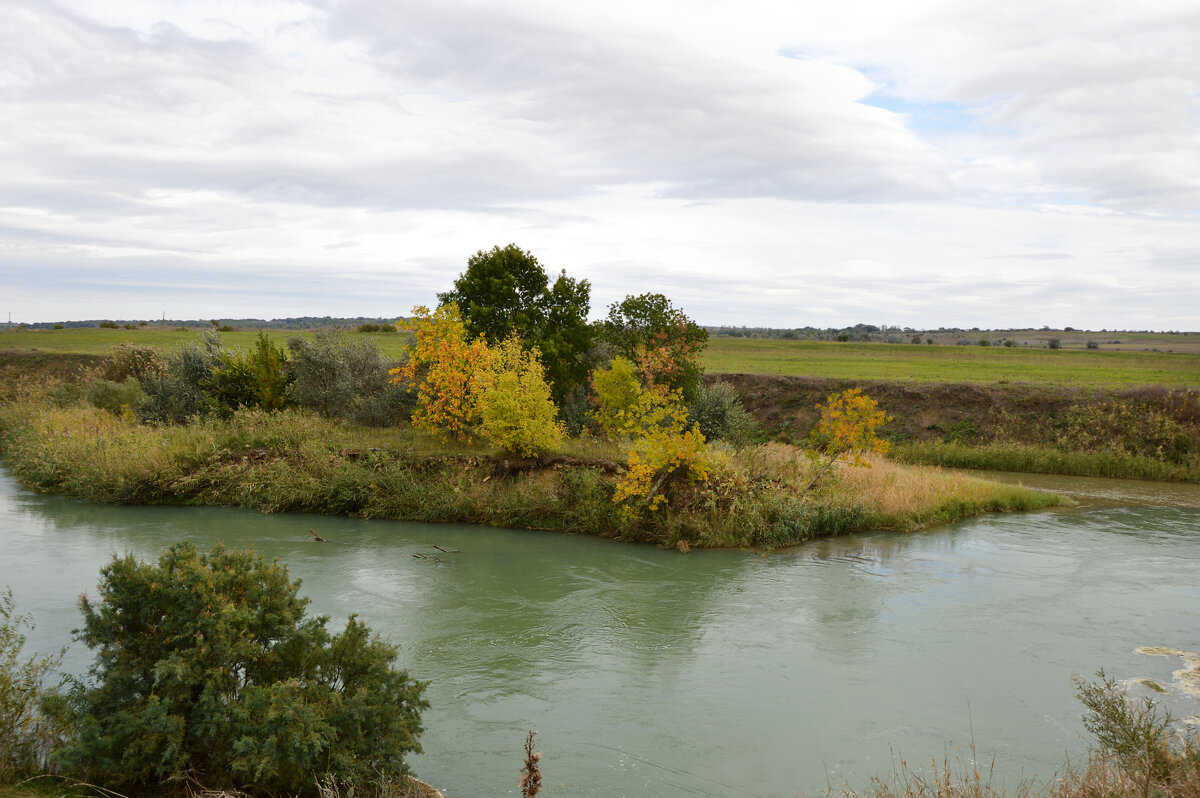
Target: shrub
24,732
1093,345
177,394
115,397
206,666
718,410
110,325
132,360
1054,343
340,377
1133,732
516,411
59,326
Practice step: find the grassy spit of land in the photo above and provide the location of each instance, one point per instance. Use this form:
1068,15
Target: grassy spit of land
299,461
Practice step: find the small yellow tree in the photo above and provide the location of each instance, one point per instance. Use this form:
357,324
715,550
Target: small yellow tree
655,418
513,403
441,364
617,395
848,425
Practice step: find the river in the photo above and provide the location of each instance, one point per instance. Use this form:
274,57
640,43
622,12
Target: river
652,674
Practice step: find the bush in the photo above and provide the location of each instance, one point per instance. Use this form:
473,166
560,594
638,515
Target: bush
109,325
177,394
718,410
340,377
131,360
1133,732
1093,345
115,397
1054,343
206,667
24,732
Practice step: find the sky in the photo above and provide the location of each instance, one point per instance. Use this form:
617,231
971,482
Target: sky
763,163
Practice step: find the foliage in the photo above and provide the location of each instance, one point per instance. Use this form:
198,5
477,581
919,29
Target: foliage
115,397
513,401
441,366
664,343
718,411
848,425
342,377
206,666
132,360
505,291
664,445
530,783
1132,731
178,394
24,732
247,379
617,395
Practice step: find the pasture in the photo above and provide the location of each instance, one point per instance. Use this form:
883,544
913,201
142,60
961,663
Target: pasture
1105,367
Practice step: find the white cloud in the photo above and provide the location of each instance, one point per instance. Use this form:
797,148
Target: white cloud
929,163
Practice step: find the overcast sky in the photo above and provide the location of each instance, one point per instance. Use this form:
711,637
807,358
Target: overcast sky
782,163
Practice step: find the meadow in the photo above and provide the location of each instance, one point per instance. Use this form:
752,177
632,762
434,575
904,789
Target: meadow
1076,367
1085,368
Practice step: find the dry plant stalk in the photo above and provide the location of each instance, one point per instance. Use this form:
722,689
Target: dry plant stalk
530,782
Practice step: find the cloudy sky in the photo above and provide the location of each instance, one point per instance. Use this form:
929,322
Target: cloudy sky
762,162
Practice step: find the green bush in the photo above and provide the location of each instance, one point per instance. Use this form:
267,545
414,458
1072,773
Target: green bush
178,394
206,667
341,377
718,410
24,733
1132,731
132,360
115,397
109,325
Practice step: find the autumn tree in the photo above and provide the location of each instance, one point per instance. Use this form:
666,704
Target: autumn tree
441,367
505,291
848,426
512,401
664,447
664,343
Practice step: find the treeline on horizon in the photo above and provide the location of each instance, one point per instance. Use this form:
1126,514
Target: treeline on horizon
867,333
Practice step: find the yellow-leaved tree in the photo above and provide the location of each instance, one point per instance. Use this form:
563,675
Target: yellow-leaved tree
655,421
848,425
512,400
441,365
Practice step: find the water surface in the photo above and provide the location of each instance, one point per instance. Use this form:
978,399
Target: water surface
651,673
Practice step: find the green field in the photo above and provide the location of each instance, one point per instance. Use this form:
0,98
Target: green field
860,361
921,363
97,341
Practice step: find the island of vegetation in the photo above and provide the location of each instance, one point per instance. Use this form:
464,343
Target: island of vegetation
505,407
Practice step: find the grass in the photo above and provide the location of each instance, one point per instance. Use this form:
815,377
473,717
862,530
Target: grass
1044,459
297,461
961,364
859,361
99,341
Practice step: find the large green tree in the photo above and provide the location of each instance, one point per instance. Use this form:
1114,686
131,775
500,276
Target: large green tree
505,291
660,338
206,667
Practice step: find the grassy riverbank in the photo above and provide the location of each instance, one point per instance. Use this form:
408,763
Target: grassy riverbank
298,461
1135,433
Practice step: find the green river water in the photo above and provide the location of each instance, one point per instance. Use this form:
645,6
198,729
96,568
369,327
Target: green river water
716,673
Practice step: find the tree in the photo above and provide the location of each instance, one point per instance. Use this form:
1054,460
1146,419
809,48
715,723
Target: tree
207,667
441,366
505,292
23,729
513,401
660,338
848,425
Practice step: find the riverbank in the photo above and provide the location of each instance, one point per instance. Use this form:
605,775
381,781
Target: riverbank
1149,432
298,461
